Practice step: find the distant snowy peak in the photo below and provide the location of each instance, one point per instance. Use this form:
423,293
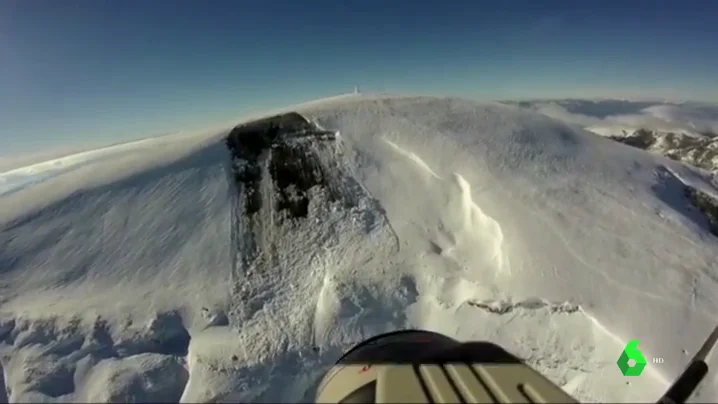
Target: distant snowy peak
697,149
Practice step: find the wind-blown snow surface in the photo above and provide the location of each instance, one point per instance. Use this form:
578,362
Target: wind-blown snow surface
481,221
16,176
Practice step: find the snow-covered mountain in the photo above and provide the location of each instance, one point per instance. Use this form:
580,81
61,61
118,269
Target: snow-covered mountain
158,276
699,150
686,132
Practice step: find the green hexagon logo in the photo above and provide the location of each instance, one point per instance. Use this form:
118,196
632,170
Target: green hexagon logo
631,352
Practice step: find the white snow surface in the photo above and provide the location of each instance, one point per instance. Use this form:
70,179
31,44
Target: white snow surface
487,222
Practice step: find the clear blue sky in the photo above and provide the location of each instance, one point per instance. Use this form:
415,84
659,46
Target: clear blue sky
74,71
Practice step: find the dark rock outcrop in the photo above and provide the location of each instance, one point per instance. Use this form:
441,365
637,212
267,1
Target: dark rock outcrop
706,204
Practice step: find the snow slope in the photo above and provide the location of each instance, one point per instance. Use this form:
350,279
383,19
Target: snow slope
120,279
16,176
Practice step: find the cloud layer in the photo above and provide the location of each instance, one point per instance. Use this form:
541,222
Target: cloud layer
693,117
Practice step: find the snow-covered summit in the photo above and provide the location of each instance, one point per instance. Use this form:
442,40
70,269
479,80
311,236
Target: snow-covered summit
132,278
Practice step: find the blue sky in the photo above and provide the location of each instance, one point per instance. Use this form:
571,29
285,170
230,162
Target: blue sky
98,71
